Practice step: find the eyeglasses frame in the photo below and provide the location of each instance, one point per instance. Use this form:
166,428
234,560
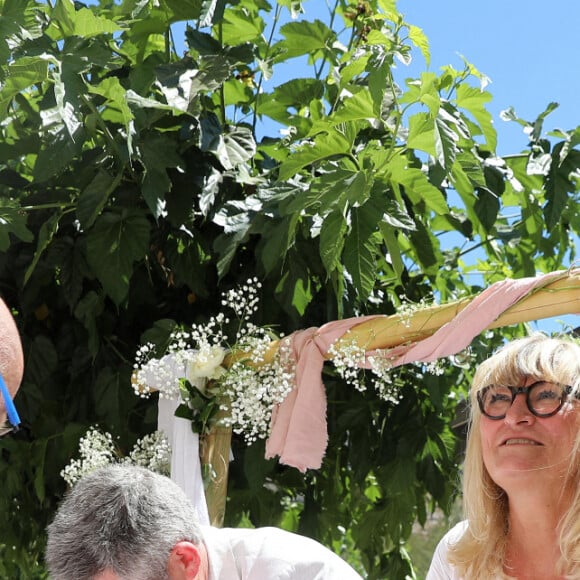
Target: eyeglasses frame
515,391
11,412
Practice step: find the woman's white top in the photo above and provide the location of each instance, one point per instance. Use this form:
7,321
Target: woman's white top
440,568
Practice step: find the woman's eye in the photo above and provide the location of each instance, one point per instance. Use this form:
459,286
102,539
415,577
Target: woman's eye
499,398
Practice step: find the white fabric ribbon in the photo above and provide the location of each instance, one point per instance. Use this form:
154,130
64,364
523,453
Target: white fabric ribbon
185,462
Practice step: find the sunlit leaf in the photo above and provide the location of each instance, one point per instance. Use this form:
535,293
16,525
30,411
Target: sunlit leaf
332,144
304,38
474,101
420,40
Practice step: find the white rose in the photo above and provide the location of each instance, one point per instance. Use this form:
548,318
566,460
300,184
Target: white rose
206,364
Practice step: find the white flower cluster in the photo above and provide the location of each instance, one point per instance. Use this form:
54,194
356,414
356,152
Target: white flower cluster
349,360
383,379
436,367
247,387
407,309
96,449
252,389
153,452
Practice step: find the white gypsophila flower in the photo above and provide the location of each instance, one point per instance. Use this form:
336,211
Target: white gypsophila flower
96,449
152,452
407,309
249,388
435,367
206,363
383,380
252,394
348,359
160,375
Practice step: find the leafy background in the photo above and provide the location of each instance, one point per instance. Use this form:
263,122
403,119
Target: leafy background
137,183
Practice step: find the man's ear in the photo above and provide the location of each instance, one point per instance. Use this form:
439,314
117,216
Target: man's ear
184,561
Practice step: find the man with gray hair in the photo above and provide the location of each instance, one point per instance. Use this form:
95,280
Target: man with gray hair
124,522
11,369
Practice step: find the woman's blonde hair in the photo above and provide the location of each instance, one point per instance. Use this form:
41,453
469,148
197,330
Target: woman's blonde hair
480,553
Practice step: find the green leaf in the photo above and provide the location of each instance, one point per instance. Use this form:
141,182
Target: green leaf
58,151
63,17
114,243
67,256
422,133
425,248
240,26
39,464
295,93
110,391
41,359
331,191
158,153
212,11
360,248
202,42
486,208
226,246
332,237
334,143
277,238
445,139
12,221
359,107
47,231
304,37
395,256
558,186
18,23
87,311
237,147
420,40
474,101
94,197
379,70
417,185
22,74
87,24
116,95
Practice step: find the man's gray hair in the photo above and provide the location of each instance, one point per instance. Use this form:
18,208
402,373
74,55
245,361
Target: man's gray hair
121,518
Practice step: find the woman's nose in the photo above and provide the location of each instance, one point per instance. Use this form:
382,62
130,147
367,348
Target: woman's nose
519,412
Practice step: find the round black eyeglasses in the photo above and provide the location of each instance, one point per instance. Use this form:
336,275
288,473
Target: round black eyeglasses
543,399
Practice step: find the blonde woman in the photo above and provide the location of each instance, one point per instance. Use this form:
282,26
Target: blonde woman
521,487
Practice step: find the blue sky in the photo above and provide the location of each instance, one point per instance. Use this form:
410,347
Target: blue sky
528,48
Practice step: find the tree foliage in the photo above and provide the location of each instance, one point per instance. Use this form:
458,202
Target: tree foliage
154,153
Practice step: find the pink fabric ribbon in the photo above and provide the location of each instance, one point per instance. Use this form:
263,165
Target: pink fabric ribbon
298,431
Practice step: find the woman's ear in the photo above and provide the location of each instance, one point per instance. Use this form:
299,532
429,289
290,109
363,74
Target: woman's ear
184,561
